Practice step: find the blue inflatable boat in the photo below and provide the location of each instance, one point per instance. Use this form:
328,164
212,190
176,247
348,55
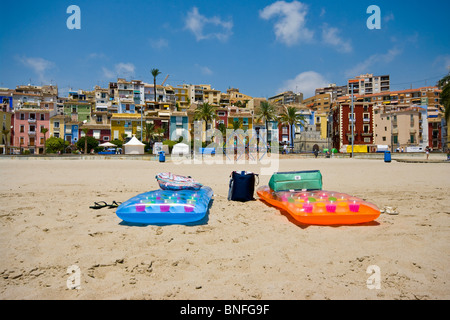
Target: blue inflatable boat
166,206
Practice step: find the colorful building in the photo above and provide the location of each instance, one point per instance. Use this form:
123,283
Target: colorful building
28,121
362,121
179,126
124,126
57,126
78,110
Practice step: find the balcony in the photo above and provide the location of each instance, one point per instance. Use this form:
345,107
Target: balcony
32,133
366,119
32,120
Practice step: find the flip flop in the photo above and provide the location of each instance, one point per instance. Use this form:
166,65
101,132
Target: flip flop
114,204
99,205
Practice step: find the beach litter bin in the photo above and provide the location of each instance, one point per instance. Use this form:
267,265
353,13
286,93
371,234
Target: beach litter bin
162,156
387,156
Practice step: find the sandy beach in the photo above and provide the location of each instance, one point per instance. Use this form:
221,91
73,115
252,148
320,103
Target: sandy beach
242,250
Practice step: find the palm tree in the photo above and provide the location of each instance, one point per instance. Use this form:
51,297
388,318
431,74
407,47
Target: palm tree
444,85
266,112
5,133
237,124
155,73
292,118
44,131
149,131
160,133
205,112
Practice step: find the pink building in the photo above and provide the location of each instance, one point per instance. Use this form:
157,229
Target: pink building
27,124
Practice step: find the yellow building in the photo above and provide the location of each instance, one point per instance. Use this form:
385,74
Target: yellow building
5,134
321,103
125,123
57,126
322,124
182,97
212,96
235,96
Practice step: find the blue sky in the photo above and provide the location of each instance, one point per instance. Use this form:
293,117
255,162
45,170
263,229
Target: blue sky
261,47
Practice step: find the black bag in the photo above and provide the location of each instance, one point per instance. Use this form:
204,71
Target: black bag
242,186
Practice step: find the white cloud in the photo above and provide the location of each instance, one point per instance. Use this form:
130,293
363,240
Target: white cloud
205,70
95,55
290,27
208,28
305,82
120,70
389,17
443,62
159,43
370,62
331,36
39,65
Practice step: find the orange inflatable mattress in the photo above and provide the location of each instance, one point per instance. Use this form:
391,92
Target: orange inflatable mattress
321,207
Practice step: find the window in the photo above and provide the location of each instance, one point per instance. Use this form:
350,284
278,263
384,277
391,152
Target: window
99,118
22,128
366,128
384,138
412,138
42,117
97,134
56,124
74,109
32,129
32,116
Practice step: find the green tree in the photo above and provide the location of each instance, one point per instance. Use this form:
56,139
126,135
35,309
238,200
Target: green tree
237,124
87,144
290,117
444,85
159,132
155,73
266,112
149,131
55,145
44,132
118,143
205,112
222,128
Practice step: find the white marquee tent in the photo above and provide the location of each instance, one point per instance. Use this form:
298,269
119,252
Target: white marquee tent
134,146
